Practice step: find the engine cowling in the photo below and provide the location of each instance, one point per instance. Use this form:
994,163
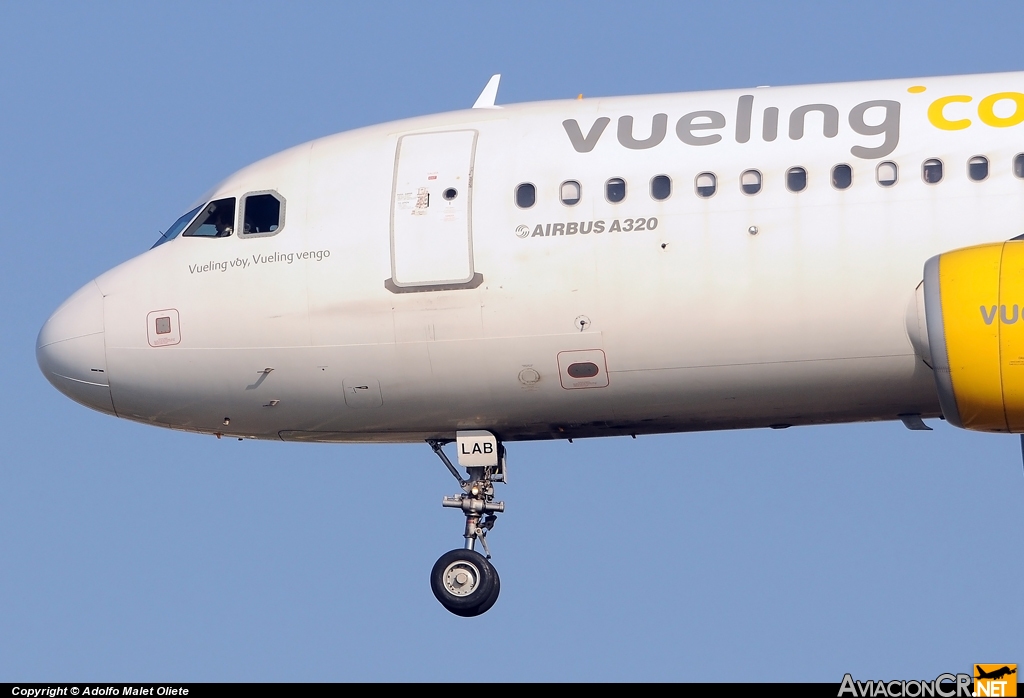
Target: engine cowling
974,311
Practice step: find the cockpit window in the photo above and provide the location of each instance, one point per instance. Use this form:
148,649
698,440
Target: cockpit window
179,225
262,214
216,221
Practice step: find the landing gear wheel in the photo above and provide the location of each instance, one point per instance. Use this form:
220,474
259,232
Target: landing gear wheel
465,582
486,605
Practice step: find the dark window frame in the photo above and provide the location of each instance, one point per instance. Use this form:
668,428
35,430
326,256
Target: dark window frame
790,172
241,213
896,169
988,168
760,182
832,176
515,195
924,170
625,189
203,215
562,198
651,187
697,188
181,223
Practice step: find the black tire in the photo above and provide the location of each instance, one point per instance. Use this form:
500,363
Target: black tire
486,605
482,580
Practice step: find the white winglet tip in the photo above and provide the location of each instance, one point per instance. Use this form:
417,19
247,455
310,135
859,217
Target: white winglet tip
490,93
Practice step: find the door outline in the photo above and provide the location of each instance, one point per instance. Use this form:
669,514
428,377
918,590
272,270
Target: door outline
475,278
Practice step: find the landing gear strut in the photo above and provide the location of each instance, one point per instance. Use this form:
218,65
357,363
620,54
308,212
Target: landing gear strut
463,580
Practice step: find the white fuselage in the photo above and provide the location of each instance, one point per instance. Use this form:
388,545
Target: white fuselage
387,316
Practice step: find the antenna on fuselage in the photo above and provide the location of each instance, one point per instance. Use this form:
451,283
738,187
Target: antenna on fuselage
490,93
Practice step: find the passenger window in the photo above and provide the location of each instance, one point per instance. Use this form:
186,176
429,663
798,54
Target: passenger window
216,221
615,190
706,184
750,182
886,174
842,176
977,168
262,214
796,179
571,193
931,171
526,195
661,188
1018,166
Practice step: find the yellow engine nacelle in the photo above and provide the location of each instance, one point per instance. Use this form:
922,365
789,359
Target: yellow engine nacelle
974,310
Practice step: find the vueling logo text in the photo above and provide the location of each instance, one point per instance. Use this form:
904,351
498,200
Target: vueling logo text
877,117
988,314
699,127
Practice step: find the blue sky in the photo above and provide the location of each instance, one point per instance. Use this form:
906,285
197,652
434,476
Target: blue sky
132,553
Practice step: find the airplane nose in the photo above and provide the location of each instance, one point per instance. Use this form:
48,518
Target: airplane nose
71,352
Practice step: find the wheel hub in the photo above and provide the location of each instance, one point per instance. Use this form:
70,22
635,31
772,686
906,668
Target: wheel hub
461,578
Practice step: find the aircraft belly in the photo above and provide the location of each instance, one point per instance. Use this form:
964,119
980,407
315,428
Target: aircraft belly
512,386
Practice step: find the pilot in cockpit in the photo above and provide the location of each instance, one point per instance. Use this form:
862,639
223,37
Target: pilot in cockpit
223,221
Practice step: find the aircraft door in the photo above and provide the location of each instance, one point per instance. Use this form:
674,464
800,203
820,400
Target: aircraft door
431,212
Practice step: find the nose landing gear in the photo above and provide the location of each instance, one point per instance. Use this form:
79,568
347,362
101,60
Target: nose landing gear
463,580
